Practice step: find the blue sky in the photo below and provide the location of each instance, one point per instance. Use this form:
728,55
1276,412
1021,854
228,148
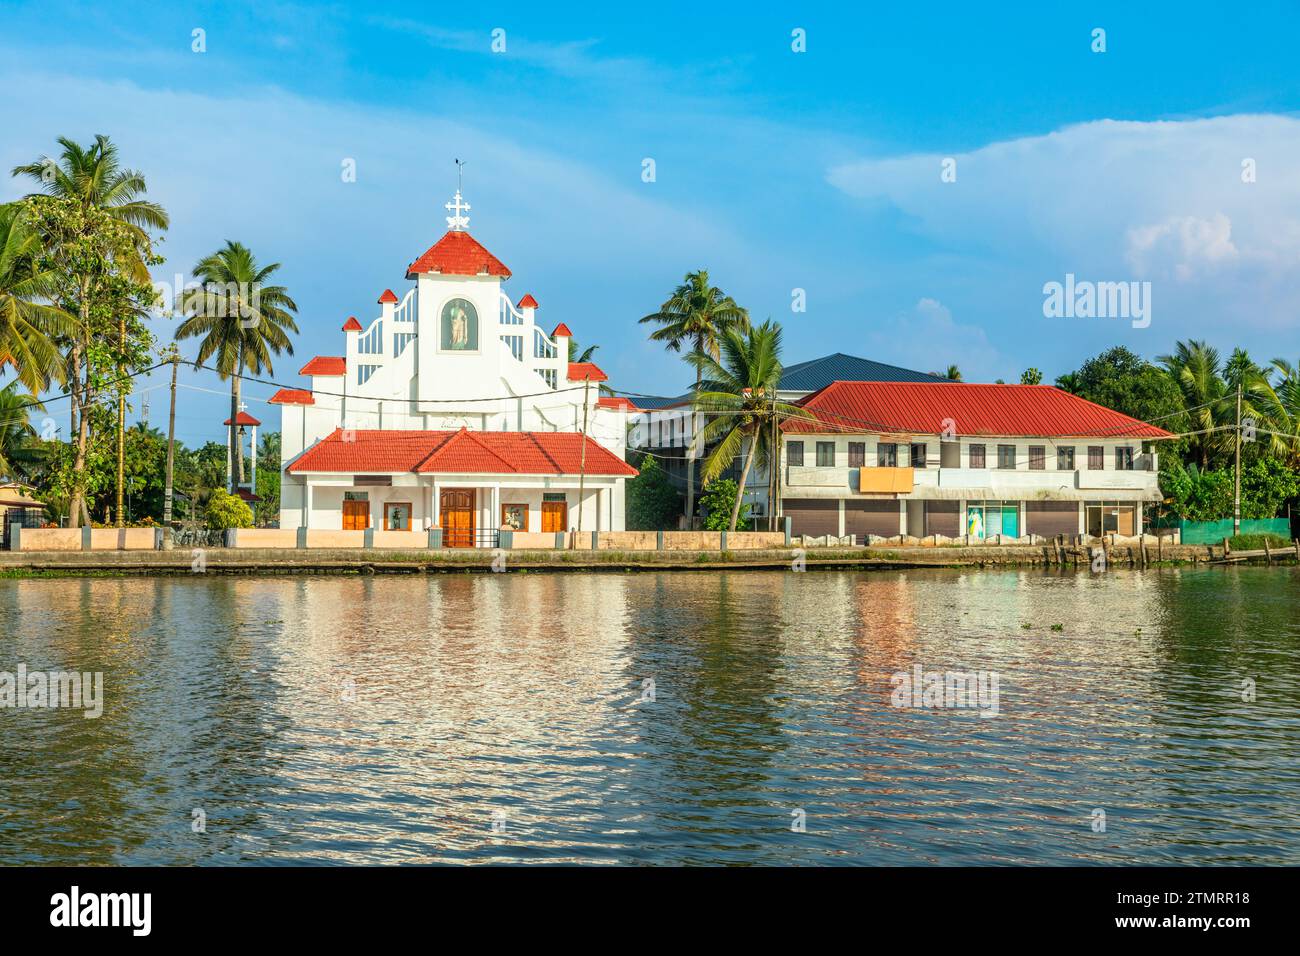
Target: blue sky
775,170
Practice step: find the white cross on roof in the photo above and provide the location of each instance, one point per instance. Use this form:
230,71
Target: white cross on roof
457,221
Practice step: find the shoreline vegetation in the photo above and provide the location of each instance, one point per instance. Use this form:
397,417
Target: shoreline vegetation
33,564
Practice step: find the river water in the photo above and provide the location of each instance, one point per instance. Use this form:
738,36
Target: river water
685,717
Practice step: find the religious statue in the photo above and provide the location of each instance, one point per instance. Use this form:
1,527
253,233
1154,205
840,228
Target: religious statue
459,326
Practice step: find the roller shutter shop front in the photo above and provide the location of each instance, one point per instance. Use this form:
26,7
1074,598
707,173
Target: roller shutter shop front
943,517
1050,518
812,516
878,516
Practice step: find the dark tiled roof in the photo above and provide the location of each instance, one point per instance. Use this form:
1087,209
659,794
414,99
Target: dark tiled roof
838,367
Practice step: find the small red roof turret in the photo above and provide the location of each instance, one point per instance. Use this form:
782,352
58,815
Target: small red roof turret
352,325
388,296
528,302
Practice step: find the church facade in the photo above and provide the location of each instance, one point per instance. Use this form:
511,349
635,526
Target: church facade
453,408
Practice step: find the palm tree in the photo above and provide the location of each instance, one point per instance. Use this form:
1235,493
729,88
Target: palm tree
738,396
1197,369
696,316
578,354
27,327
953,374
95,178
1069,382
241,320
18,454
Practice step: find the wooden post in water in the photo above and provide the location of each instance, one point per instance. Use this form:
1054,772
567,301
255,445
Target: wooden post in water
1268,558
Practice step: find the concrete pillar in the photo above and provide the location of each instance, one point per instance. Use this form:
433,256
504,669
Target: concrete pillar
507,540
786,522
15,536
85,538
659,540
435,539
840,532
368,538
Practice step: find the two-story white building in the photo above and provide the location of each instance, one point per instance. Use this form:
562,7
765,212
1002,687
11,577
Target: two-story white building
453,408
956,459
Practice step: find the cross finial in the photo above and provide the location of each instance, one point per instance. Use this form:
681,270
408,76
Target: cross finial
458,207
243,406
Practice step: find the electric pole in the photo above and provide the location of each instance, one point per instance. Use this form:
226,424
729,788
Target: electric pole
582,468
1236,494
171,449
121,419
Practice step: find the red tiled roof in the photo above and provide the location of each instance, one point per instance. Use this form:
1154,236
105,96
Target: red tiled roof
561,329
248,495
388,296
292,396
458,254
369,451
325,365
583,371
352,325
528,302
924,408
243,418
616,401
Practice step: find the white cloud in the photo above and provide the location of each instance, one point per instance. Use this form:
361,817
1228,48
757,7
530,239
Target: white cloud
927,338
1187,246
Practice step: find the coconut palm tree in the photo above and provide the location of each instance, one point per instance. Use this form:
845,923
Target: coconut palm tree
27,327
696,316
953,374
18,453
1198,371
93,176
241,320
578,354
737,396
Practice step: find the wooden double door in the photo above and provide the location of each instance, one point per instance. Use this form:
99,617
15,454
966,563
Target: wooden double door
555,516
456,513
356,515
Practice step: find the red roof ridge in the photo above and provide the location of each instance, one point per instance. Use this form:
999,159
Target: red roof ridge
292,396
352,325
325,365
243,418
528,302
561,329
388,296
586,371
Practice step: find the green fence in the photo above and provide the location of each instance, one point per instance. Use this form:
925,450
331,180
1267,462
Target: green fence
1213,532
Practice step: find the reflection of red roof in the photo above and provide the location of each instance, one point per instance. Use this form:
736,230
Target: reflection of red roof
325,365
352,325
617,402
388,296
930,408
243,418
292,396
561,329
369,451
458,254
528,302
582,371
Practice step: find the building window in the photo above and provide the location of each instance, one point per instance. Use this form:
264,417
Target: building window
977,456
1065,458
826,454
857,454
1007,456
1124,458
887,455
918,454
1037,457
794,454
1096,458
984,519
397,516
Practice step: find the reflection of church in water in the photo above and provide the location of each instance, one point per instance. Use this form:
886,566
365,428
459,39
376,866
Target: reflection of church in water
453,409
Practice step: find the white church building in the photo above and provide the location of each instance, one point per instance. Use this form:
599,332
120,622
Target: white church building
453,409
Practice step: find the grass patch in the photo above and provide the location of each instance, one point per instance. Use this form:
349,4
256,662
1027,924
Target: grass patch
1255,542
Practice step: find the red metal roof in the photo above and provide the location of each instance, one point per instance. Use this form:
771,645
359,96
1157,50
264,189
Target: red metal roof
616,401
528,302
929,408
325,365
368,451
388,296
582,371
243,418
458,254
352,325
292,396
561,329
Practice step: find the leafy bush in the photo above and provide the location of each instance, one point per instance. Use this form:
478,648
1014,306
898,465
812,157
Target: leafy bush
227,511
716,502
652,503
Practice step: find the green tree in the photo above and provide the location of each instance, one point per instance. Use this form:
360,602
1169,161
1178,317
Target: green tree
226,511
578,354
20,453
953,374
721,504
696,316
737,397
241,320
1209,414
27,326
1031,376
652,502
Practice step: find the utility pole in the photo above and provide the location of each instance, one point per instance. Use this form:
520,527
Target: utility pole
771,464
121,418
171,449
1236,494
582,469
